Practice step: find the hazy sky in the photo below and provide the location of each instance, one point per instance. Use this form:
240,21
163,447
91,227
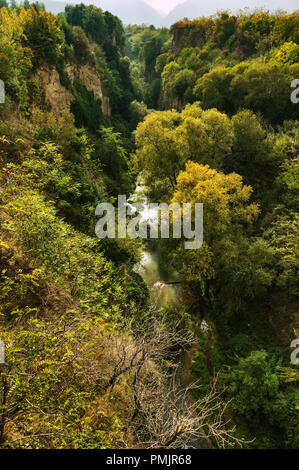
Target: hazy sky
167,5
164,5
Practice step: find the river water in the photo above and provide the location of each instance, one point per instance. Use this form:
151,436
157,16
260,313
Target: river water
160,281
164,291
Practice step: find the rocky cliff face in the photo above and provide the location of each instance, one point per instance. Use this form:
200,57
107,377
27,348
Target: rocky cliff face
59,98
169,102
91,79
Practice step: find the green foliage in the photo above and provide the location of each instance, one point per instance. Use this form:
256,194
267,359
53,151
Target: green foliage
258,397
15,59
213,87
283,237
136,37
182,84
86,109
246,33
253,155
61,252
233,63
100,37
226,202
113,157
43,35
58,407
253,386
263,88
147,48
138,112
103,28
63,164
288,184
166,140
288,53
151,50
235,150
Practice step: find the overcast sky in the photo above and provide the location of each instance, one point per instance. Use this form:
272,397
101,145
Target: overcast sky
164,5
167,5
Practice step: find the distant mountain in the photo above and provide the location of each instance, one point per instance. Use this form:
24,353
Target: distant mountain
129,11
138,11
191,9
195,8
53,6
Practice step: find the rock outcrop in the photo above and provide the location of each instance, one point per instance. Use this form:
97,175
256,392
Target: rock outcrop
59,98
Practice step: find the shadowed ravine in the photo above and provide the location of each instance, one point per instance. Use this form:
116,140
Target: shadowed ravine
165,289
163,284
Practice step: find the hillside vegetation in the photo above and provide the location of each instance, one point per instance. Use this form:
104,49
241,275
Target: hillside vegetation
91,361
226,134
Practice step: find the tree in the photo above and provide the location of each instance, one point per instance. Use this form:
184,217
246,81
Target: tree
172,420
288,53
206,137
212,90
138,111
169,72
113,157
164,412
225,27
265,88
288,183
167,139
74,14
151,50
225,197
252,155
43,35
94,24
158,152
254,385
282,235
15,59
261,400
180,83
227,211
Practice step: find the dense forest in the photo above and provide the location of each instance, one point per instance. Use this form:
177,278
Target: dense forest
201,112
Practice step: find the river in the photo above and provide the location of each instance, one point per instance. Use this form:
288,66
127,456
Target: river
161,281
164,289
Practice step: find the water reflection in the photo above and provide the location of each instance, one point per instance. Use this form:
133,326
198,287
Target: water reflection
162,291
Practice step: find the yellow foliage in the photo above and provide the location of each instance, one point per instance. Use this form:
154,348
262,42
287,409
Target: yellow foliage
225,197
